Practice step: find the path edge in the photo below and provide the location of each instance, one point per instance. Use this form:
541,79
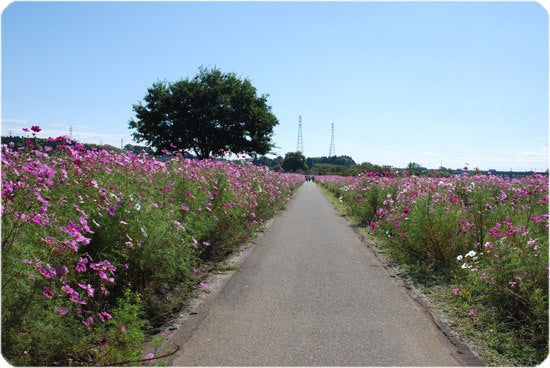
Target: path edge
178,329
463,352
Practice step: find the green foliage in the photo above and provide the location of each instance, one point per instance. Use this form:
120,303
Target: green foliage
274,163
98,246
294,162
485,238
209,114
328,169
344,161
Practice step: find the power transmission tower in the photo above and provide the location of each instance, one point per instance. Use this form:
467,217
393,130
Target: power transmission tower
332,150
300,144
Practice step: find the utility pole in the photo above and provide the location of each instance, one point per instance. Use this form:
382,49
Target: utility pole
300,144
332,150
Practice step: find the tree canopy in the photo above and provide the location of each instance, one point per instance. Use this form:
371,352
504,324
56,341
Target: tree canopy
209,114
294,161
334,160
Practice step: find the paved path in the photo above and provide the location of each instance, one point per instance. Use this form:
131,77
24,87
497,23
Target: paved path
311,294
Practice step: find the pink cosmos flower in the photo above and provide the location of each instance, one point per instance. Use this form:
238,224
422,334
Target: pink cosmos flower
47,272
81,265
88,322
89,289
60,310
104,291
84,224
103,266
49,292
103,316
48,240
456,291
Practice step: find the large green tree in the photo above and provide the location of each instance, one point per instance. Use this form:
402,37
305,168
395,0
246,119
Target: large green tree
294,161
209,114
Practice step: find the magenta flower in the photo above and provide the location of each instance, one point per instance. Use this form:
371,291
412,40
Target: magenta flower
62,271
103,266
456,291
60,310
185,207
37,218
111,211
48,272
81,265
49,292
89,289
84,224
88,322
48,240
35,128
103,316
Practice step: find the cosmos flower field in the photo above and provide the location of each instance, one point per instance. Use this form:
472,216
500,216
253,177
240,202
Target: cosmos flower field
92,238
486,236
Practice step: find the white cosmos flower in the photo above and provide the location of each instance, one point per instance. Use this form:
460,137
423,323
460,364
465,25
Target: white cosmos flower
471,254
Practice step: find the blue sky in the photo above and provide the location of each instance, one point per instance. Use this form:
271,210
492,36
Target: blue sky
436,83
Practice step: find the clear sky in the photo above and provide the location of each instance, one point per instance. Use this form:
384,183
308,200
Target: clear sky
436,83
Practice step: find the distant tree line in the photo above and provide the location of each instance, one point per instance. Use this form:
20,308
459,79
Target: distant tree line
346,166
19,141
291,162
